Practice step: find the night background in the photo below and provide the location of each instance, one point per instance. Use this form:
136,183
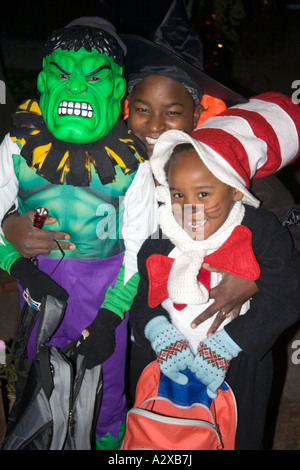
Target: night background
252,46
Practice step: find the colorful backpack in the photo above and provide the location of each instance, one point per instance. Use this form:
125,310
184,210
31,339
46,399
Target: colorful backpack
169,416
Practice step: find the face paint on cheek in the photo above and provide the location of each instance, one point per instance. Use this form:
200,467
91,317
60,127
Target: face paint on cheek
213,211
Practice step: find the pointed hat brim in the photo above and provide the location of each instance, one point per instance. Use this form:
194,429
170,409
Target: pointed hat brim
142,52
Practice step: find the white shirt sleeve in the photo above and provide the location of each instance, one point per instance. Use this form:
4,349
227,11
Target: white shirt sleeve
140,216
9,185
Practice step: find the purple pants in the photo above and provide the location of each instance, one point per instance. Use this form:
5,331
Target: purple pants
86,283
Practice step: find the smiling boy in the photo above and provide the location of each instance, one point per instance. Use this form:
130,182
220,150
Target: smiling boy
153,109
68,153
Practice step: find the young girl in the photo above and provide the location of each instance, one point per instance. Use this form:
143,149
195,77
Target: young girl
208,214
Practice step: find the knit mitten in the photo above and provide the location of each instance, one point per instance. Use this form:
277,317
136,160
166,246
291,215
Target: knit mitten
171,347
213,359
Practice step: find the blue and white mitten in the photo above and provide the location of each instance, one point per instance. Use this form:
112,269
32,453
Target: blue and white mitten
213,359
171,347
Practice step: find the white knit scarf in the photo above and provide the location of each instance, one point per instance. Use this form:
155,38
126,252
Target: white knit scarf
183,285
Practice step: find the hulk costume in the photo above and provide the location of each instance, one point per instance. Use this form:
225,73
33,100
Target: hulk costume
69,154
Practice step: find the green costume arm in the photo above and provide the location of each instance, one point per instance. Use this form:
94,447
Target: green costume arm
119,298
8,254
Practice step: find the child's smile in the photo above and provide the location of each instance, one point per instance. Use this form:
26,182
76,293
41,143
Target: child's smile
201,203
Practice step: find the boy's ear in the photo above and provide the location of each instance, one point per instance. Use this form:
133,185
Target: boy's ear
237,195
197,113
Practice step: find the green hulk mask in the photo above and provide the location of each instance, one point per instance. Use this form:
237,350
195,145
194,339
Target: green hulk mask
80,91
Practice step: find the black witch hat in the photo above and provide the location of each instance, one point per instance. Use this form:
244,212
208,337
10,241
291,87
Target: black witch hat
175,43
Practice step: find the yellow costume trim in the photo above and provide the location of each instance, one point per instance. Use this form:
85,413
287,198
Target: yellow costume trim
126,141
22,141
54,159
39,154
118,160
30,106
65,165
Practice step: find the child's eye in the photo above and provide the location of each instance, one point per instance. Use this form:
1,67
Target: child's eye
94,79
173,113
141,110
202,194
177,195
62,76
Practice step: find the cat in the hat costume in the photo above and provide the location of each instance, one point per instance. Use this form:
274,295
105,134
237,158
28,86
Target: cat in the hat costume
250,243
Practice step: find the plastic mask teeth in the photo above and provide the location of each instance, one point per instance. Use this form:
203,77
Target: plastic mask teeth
71,108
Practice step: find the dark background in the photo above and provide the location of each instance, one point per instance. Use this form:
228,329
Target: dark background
260,44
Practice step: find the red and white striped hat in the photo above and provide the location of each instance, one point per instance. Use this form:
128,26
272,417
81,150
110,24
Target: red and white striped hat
250,140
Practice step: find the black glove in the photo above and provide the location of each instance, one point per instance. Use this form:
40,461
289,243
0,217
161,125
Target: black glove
97,342
38,283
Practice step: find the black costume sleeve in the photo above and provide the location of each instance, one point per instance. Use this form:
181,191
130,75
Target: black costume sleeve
277,304
275,198
140,312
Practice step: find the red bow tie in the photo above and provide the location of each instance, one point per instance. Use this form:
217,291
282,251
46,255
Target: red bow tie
235,256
